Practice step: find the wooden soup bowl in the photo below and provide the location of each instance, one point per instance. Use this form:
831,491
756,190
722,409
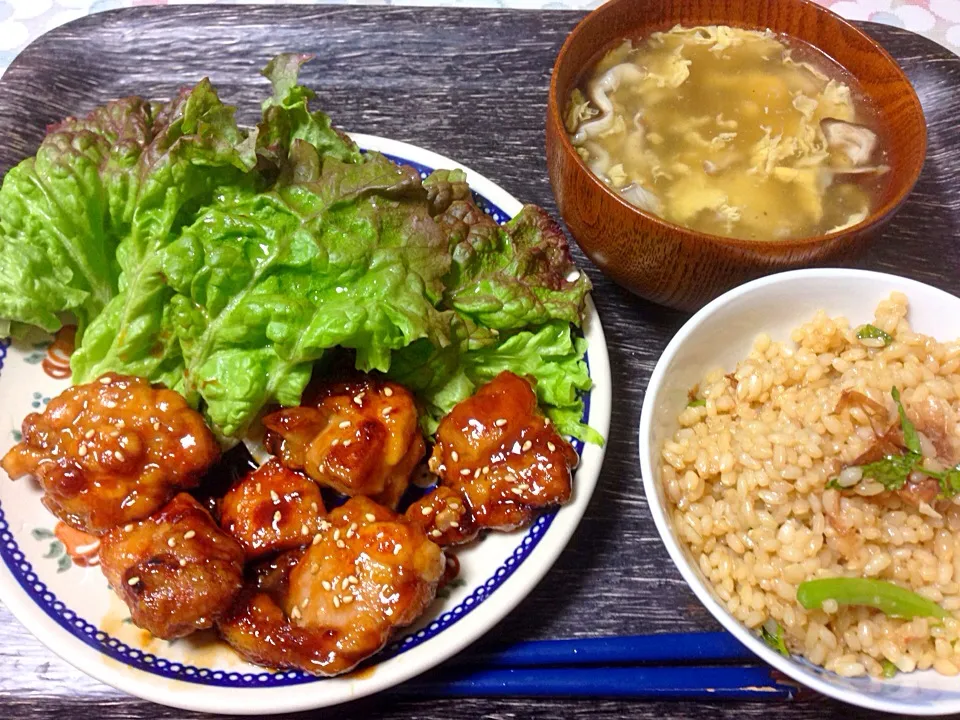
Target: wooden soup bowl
683,268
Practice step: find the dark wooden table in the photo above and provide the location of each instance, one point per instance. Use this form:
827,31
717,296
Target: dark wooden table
470,84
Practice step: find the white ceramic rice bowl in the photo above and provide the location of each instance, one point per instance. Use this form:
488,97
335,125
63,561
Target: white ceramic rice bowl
721,334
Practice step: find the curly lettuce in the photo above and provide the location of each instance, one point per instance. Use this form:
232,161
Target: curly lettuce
58,241
192,150
227,263
264,284
552,355
517,276
288,120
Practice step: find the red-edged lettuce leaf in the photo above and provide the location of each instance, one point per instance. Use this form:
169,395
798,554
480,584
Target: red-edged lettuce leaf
444,187
267,283
517,276
288,121
63,213
190,150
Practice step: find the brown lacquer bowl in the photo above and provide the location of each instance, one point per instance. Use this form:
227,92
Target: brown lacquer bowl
683,268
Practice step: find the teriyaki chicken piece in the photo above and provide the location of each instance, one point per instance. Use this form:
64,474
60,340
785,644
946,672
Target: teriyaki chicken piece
502,456
176,571
367,573
360,437
112,451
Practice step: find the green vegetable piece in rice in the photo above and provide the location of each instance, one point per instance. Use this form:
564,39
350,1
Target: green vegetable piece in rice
910,437
872,332
886,597
771,632
699,402
949,482
889,669
892,472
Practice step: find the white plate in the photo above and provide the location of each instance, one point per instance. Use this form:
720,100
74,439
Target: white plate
74,613
722,334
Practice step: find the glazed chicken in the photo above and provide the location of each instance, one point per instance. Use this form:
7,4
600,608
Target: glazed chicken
176,571
112,451
359,438
272,509
367,573
502,456
331,588
444,516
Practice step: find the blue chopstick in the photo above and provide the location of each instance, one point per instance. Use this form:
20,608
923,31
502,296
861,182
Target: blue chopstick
663,648
687,666
729,682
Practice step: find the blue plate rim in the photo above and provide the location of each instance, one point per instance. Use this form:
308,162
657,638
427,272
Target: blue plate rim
104,643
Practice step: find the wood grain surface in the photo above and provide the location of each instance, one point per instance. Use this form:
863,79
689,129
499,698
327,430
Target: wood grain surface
472,85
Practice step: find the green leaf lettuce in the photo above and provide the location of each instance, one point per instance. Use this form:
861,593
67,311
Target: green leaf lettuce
57,240
515,276
551,355
287,118
266,283
192,148
225,264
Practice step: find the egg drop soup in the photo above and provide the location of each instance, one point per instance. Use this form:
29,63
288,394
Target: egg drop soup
731,132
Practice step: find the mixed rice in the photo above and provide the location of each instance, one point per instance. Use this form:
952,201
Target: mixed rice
766,491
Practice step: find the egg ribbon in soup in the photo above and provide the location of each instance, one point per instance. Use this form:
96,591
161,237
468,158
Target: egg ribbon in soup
731,132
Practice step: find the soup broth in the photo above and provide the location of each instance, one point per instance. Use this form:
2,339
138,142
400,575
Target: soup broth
731,132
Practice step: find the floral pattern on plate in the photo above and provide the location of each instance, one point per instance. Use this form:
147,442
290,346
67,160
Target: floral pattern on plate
49,580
